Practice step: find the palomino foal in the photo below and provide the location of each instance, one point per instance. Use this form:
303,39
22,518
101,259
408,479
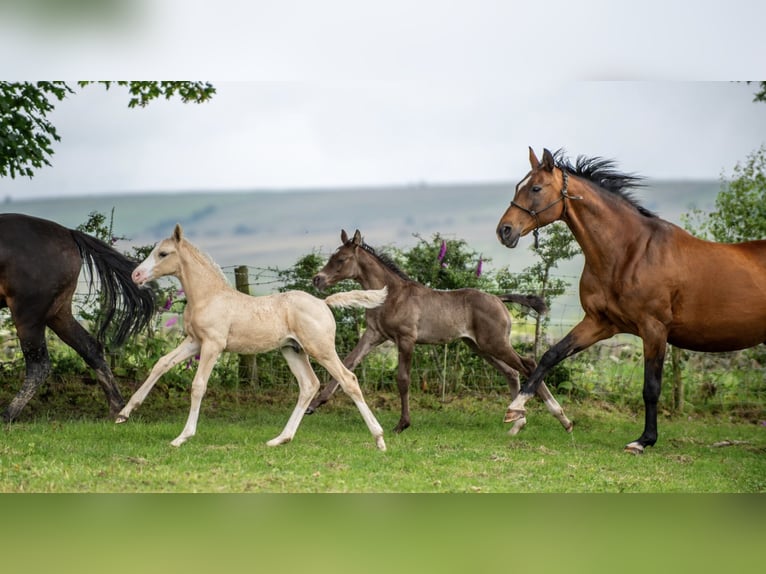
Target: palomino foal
219,318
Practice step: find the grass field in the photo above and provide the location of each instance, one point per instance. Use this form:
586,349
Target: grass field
457,446
497,510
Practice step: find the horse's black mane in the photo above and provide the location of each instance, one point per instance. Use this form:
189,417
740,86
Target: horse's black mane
386,261
603,173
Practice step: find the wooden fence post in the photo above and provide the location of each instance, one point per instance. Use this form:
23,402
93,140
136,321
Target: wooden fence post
248,369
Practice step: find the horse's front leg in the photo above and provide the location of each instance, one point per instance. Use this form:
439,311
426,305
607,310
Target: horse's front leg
308,385
403,382
582,336
654,357
186,349
209,353
368,341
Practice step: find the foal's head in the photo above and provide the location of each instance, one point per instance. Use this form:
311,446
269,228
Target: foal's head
343,264
163,260
540,199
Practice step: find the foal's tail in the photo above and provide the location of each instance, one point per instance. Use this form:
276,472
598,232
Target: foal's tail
123,302
359,298
533,301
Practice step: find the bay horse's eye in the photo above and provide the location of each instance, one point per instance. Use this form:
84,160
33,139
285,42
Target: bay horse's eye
536,189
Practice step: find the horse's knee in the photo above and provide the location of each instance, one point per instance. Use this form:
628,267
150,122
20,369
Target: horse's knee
351,386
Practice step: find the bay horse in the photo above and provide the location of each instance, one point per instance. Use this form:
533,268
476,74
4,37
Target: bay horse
219,318
414,314
642,275
40,263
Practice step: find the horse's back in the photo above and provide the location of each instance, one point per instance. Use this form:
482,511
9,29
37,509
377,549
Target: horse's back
267,322
445,315
35,253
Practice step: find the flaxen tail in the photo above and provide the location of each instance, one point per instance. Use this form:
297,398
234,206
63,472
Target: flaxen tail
533,301
367,299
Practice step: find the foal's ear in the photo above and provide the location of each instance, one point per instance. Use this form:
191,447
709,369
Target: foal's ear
548,162
357,237
343,236
178,233
533,161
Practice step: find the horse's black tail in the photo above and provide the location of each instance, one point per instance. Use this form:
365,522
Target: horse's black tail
533,301
123,302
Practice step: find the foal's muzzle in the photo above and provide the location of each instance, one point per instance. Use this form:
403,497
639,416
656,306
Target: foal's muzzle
318,281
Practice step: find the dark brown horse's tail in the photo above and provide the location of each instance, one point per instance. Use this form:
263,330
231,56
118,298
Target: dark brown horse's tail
125,308
533,301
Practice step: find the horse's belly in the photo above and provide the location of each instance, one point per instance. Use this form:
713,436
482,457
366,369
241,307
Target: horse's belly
721,337
254,340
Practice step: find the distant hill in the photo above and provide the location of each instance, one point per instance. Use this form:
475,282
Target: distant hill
274,228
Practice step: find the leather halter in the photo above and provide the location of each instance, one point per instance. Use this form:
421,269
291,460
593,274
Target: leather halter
564,195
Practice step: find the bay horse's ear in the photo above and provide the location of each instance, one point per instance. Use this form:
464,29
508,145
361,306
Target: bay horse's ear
548,162
533,161
178,233
343,236
357,238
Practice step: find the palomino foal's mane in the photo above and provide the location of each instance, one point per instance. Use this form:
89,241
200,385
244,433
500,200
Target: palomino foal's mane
205,259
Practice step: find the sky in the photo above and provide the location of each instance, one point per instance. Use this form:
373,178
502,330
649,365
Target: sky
338,94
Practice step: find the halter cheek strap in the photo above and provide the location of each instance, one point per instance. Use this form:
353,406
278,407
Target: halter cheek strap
564,195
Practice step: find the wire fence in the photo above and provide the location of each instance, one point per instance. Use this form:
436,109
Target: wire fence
612,369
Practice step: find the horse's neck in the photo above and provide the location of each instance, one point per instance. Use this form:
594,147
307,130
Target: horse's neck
604,227
200,277
375,275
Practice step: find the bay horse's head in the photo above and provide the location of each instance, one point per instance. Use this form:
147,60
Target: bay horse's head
163,260
342,264
540,199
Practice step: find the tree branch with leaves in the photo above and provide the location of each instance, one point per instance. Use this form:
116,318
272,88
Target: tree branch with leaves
27,135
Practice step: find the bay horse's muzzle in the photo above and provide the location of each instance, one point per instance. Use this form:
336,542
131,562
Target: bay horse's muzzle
507,235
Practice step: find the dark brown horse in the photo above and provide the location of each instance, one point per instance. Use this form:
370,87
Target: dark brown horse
415,314
40,262
642,275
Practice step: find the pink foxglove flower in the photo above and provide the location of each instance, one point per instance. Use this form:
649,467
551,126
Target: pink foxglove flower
478,267
443,250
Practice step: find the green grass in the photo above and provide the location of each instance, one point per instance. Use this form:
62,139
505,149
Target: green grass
458,446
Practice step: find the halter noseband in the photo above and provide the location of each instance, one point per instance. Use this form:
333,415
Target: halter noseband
564,195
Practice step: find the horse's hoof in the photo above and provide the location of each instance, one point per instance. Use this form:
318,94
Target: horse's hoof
310,411
569,428
516,428
381,444
400,427
512,415
120,419
177,442
278,441
634,448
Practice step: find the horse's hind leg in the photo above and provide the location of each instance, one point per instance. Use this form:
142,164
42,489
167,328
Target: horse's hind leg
74,335
369,340
308,385
38,366
350,386
509,363
511,375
